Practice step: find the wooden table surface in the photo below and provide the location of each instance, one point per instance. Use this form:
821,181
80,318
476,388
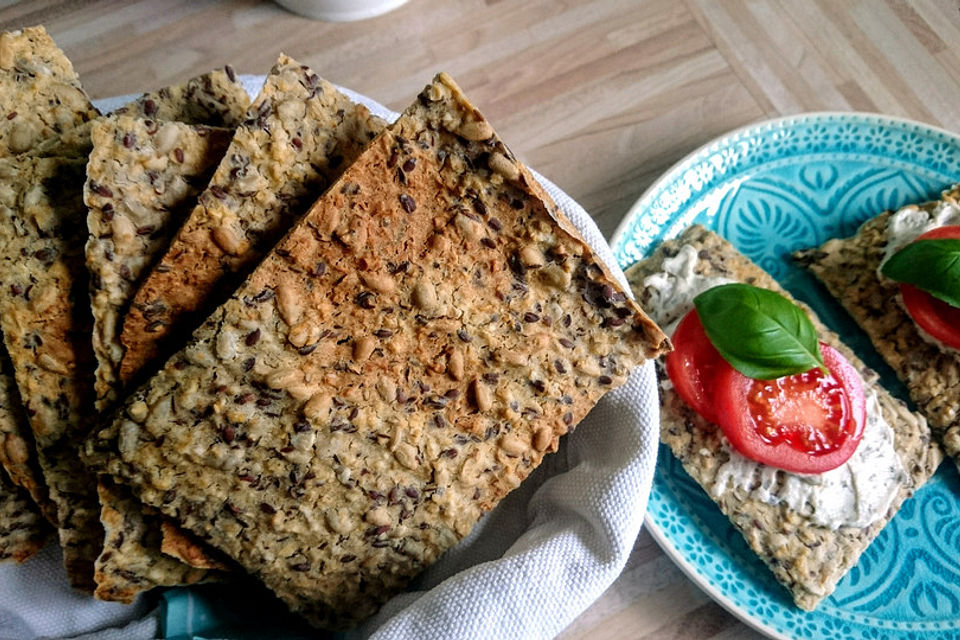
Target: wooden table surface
601,97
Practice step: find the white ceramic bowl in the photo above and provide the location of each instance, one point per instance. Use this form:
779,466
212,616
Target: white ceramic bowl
340,10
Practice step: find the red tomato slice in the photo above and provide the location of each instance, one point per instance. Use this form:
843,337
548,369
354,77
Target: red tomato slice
693,364
809,422
936,317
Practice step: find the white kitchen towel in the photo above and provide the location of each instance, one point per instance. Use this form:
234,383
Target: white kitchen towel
527,570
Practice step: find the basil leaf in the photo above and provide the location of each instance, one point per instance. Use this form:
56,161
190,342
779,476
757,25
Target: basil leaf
759,332
931,265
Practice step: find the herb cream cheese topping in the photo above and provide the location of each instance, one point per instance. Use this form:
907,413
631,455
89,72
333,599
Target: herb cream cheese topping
856,494
910,222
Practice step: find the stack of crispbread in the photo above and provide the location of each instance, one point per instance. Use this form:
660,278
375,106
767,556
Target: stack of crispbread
401,360
355,397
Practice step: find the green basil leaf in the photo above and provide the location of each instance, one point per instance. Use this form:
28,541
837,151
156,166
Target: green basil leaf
931,265
759,332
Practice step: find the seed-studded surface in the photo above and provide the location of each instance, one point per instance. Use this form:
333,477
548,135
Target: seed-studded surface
298,136
45,320
848,268
214,99
23,531
395,366
143,178
806,558
32,50
18,451
43,109
129,562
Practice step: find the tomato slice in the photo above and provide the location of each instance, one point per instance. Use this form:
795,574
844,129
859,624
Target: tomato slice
933,315
809,422
693,365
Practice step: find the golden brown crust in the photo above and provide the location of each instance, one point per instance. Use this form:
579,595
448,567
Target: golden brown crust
180,544
143,177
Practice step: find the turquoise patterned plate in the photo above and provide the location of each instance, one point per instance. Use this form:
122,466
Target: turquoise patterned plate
772,188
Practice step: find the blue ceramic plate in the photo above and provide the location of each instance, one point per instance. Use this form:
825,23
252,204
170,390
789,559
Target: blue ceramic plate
772,188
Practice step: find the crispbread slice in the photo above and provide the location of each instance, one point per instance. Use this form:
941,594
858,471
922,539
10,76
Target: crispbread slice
18,451
31,50
43,108
23,530
46,327
808,559
129,562
848,268
214,99
143,178
298,136
402,359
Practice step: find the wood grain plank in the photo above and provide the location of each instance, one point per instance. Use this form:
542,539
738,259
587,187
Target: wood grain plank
601,96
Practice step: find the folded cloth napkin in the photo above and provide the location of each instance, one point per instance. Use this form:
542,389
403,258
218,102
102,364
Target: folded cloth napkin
527,570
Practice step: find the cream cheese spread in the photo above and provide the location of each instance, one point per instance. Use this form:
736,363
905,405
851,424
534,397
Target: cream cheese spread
672,290
910,222
855,494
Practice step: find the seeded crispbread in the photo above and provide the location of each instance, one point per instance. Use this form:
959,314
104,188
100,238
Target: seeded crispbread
31,50
43,108
298,135
129,563
403,358
808,559
23,530
848,268
143,178
215,99
18,451
45,321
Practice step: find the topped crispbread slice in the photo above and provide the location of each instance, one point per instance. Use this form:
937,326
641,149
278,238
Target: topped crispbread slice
298,136
400,361
214,99
848,268
45,321
43,108
807,557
